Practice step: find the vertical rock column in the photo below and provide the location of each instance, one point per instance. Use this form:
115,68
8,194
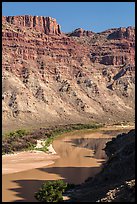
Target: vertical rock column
45,25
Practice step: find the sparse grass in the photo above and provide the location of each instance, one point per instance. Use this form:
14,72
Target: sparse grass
75,127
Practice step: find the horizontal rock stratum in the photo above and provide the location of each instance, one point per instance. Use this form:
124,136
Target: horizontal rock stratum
45,25
51,77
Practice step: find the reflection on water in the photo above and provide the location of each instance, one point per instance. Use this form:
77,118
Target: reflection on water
96,146
80,157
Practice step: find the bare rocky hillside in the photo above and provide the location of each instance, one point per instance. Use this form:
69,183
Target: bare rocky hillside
52,77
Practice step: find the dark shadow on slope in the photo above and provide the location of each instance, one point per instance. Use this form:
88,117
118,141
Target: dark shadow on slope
119,169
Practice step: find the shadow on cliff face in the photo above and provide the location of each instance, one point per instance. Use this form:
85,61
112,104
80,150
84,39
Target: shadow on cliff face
27,188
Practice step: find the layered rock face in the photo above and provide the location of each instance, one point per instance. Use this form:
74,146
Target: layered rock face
112,47
45,25
81,32
127,33
51,77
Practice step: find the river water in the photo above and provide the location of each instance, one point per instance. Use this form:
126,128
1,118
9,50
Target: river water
80,156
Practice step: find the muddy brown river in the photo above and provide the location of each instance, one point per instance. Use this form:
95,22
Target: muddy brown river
79,156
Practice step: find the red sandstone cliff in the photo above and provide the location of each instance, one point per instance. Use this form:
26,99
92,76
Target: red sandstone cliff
51,76
79,32
123,33
45,25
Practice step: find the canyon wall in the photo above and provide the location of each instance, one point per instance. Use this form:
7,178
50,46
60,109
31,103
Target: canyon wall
50,77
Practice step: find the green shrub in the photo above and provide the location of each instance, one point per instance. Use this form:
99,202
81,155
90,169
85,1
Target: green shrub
17,133
51,191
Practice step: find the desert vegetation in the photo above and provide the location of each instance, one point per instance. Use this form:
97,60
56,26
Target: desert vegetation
26,140
52,191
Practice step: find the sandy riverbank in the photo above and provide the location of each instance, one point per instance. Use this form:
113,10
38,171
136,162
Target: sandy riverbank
77,162
26,160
